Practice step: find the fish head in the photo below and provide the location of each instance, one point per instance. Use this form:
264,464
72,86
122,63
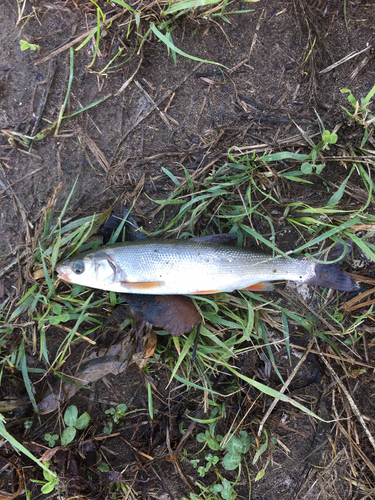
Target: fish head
94,269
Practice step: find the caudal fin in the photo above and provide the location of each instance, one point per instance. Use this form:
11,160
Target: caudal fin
328,275
331,277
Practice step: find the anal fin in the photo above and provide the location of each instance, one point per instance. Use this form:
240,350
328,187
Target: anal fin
141,285
262,286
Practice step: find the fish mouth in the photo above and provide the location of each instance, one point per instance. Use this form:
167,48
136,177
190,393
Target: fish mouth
62,275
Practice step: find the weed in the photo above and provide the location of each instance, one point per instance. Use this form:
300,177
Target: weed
73,423
51,439
51,481
117,414
25,45
360,112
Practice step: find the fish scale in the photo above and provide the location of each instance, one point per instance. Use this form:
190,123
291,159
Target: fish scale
193,267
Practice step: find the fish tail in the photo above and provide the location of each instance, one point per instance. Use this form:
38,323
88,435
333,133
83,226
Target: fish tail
328,275
331,277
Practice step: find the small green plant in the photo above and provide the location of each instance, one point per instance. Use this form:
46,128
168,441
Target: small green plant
73,424
225,488
209,439
51,439
308,166
51,481
117,414
212,460
58,316
24,44
361,113
221,489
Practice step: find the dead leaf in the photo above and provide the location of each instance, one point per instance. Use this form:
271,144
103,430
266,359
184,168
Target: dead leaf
175,313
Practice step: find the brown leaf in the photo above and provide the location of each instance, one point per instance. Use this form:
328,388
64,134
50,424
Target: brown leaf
175,313
48,454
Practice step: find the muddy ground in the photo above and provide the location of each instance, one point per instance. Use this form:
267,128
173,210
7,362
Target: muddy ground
117,149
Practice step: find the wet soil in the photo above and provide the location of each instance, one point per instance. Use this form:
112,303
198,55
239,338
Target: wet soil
118,148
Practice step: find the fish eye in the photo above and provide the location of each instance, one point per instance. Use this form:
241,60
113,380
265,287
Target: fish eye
78,267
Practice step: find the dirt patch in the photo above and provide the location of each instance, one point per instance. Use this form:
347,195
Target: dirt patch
271,88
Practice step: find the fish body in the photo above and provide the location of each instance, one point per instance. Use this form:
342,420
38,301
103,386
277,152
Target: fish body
164,267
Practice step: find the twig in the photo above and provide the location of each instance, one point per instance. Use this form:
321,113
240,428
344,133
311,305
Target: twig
285,386
44,101
129,80
203,105
344,59
22,178
150,100
348,396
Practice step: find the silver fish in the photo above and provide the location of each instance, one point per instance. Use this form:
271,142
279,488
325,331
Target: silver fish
164,267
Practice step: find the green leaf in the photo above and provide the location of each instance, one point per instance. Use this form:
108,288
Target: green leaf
68,435
240,444
171,46
351,98
319,168
201,438
328,137
336,197
189,5
260,475
306,168
83,421
213,444
172,177
369,96
47,488
123,4
284,156
261,450
231,462
57,309
71,415
26,45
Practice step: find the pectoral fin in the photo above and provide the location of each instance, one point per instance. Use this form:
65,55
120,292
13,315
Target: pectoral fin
141,285
262,286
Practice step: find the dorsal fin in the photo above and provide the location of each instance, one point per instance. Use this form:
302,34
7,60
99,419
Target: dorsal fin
218,239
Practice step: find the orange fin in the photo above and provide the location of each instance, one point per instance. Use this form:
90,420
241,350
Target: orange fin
262,286
141,285
206,292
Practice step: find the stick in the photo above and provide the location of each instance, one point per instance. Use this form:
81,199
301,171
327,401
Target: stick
285,386
44,100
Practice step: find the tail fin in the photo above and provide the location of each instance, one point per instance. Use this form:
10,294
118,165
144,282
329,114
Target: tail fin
328,275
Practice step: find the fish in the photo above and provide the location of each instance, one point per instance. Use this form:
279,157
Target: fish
198,266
